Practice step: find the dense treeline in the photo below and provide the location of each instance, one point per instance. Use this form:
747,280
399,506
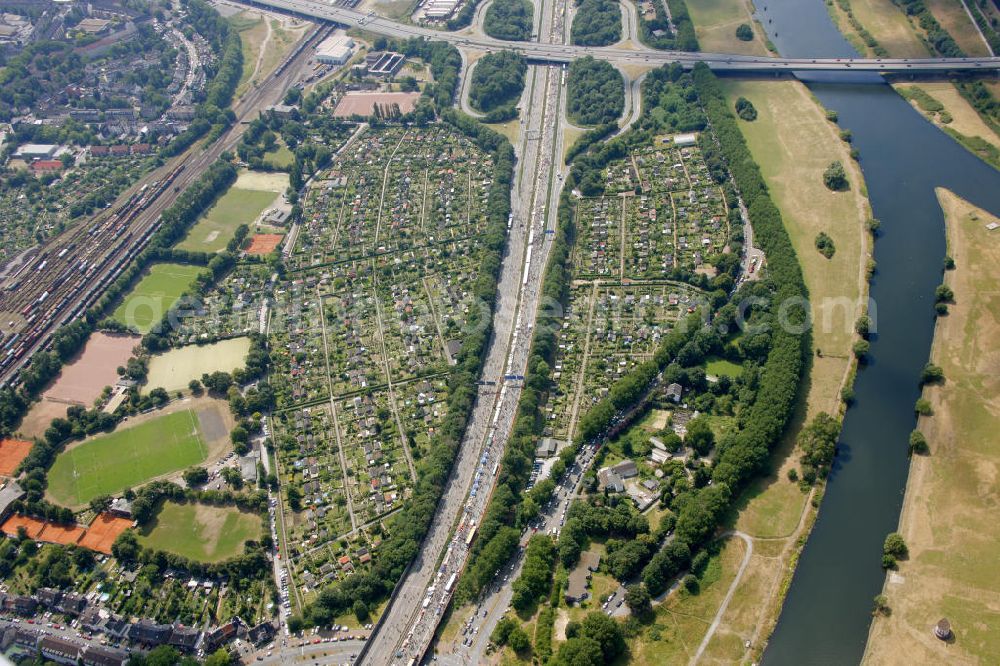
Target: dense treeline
510,20
589,138
497,81
745,453
213,116
536,574
595,91
407,528
596,23
679,37
938,37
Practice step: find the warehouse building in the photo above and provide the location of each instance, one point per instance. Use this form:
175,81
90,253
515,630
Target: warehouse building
335,49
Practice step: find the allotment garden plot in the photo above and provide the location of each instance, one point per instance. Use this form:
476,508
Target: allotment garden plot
363,332
661,214
640,250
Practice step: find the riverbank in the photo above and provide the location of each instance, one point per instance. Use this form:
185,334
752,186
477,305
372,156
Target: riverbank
951,494
793,142
715,23
901,38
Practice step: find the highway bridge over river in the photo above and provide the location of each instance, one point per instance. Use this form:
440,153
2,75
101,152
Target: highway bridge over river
641,55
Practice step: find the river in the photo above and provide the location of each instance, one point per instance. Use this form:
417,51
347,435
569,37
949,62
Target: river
827,612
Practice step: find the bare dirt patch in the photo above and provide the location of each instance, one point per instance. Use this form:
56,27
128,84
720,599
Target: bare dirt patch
83,378
262,181
39,418
363,103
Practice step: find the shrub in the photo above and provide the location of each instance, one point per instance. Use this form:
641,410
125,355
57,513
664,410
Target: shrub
744,32
895,545
825,244
918,443
923,407
931,374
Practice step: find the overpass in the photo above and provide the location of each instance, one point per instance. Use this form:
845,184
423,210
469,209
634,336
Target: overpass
642,55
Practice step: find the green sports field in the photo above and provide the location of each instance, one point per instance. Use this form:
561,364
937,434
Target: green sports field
155,293
127,457
201,532
216,227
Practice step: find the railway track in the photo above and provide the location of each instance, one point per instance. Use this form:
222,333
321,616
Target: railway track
66,276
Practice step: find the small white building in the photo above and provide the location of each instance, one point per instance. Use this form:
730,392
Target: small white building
685,140
335,49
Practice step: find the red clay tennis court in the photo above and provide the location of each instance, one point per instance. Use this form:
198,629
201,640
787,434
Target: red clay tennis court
33,526
103,531
264,243
12,452
61,534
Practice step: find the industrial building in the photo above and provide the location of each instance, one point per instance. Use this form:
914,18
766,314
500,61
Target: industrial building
335,49
438,10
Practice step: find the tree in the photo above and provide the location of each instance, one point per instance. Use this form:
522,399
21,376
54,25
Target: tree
195,476
944,294
895,545
518,640
923,407
699,435
638,600
835,178
580,651
606,632
195,387
744,32
825,245
880,605
745,109
361,611
918,443
218,658
863,326
294,498
861,349
818,441
931,374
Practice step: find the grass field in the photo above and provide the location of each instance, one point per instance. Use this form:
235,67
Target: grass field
253,32
952,17
888,24
155,293
127,457
280,158
173,370
793,143
217,226
716,22
201,532
949,512
720,366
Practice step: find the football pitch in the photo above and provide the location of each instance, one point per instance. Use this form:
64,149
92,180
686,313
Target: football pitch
126,458
155,293
201,532
215,229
